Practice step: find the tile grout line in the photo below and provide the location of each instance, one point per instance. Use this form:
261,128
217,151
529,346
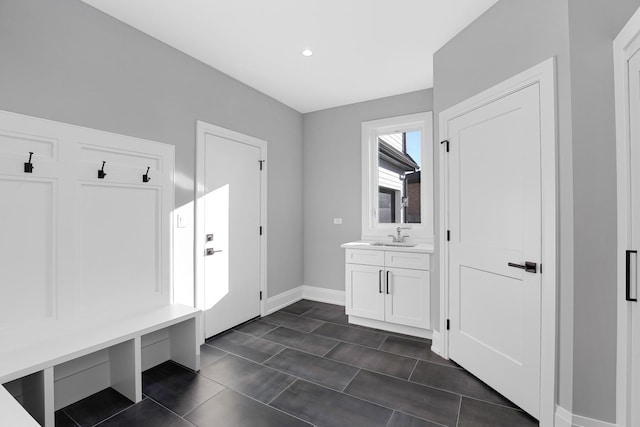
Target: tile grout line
333,360
295,349
390,418
352,326
175,413
420,418
117,413
355,326
251,398
456,393
459,410
513,408
379,346
413,370
283,390
346,342
324,356
415,383
281,325
350,381
274,355
371,370
281,371
387,407
68,416
263,334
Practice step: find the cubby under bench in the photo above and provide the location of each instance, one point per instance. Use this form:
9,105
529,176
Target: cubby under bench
49,365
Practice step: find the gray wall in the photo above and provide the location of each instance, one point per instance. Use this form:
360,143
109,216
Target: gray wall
66,61
509,38
592,27
333,179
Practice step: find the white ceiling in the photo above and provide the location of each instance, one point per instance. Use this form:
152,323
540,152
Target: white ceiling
362,49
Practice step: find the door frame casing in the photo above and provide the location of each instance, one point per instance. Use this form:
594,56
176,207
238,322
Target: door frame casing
202,129
542,74
624,46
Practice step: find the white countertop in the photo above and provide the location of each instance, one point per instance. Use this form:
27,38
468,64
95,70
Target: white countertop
362,244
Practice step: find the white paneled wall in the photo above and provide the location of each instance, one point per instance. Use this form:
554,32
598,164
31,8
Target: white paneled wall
71,241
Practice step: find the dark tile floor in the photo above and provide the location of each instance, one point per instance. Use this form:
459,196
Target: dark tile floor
305,366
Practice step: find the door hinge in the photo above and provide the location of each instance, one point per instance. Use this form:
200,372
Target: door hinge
261,162
261,230
260,295
446,142
448,235
448,324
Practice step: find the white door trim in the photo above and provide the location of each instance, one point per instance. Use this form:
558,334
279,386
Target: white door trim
544,75
202,129
624,46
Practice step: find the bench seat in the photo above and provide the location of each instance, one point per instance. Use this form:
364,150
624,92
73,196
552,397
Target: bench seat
31,353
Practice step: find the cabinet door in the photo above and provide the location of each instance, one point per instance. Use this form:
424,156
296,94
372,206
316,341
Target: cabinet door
365,291
407,297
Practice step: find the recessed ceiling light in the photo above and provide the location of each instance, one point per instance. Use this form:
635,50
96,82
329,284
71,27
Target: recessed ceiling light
307,52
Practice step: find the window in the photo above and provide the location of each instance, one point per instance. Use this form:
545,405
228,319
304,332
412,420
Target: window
397,177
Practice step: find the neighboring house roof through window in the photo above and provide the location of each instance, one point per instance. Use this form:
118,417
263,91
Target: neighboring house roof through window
401,160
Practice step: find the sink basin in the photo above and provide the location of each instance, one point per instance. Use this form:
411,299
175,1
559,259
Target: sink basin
394,244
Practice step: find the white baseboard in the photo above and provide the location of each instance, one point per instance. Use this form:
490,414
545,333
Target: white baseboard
565,418
282,300
386,326
436,343
330,296
313,293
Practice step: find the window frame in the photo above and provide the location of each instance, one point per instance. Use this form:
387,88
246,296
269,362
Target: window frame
371,130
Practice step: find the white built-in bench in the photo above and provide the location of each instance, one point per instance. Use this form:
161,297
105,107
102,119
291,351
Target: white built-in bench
87,237
10,410
51,364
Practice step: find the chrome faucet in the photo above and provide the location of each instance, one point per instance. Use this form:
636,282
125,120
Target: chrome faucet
399,238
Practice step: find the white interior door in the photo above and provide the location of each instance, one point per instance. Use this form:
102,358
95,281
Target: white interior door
634,238
232,219
495,219
629,244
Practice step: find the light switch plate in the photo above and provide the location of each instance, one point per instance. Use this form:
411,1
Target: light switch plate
337,221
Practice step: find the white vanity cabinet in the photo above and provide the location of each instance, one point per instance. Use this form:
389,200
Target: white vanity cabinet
388,289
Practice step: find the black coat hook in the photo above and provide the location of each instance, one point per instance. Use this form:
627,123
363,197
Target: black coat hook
146,177
101,173
28,167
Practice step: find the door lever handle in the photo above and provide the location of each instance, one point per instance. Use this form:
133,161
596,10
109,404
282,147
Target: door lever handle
631,274
211,251
529,267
